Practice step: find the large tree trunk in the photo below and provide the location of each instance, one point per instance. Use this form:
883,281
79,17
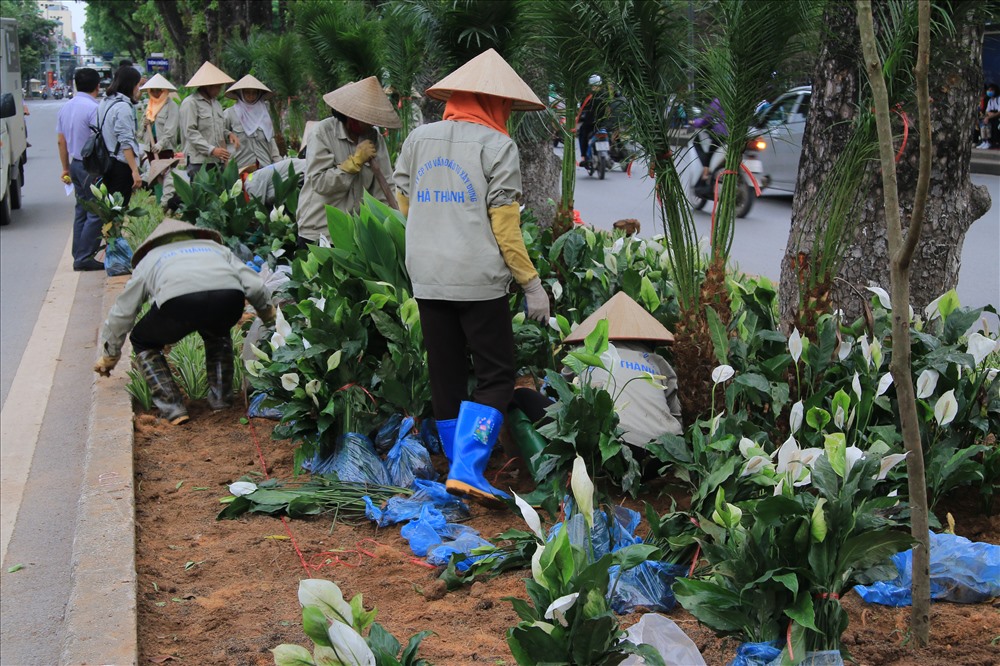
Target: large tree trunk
954,202
539,167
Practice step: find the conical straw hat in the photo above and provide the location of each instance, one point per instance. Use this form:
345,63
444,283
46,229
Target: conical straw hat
158,82
208,75
627,320
489,74
249,83
364,100
165,230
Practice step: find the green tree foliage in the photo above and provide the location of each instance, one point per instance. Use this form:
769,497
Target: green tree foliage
35,34
121,27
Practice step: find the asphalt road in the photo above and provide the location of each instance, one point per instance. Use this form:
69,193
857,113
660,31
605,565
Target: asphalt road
48,321
761,237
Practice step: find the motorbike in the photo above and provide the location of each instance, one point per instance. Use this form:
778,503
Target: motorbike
699,191
599,153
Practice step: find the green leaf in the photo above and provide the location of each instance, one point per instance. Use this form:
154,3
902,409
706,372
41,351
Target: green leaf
596,343
412,645
717,331
817,418
632,556
802,611
15,568
314,624
647,292
835,445
380,639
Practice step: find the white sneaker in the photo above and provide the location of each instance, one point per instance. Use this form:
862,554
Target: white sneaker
985,145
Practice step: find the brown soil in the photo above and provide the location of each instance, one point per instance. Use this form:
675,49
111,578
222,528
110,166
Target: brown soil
224,592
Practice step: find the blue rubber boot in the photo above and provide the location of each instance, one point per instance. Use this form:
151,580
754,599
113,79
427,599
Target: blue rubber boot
446,432
476,431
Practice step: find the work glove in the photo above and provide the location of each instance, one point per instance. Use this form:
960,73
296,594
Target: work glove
105,365
268,315
537,300
506,224
403,202
361,156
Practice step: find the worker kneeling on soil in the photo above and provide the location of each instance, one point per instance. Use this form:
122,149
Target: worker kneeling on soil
645,411
173,269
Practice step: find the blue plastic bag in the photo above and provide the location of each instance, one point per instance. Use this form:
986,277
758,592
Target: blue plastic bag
387,433
465,543
422,532
430,437
353,460
647,586
118,257
257,409
408,459
962,571
756,654
400,509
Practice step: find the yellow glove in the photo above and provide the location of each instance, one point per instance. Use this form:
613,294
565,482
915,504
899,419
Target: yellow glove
105,364
365,151
268,315
506,223
403,202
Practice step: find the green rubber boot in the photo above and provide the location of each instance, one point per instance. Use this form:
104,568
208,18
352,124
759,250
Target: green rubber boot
529,442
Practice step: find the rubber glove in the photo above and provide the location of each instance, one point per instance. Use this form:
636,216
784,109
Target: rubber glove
268,315
105,364
537,300
506,224
364,152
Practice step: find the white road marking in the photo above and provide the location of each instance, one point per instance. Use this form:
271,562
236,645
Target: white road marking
22,414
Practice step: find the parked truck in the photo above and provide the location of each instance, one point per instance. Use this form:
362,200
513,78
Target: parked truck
13,134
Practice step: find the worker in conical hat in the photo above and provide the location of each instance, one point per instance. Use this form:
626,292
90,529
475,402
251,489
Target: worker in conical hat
644,383
458,182
202,126
250,120
161,120
342,149
194,283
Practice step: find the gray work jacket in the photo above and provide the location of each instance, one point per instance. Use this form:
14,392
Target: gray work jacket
254,148
202,128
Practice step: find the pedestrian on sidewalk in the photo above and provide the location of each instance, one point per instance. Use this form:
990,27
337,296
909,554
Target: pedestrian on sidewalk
202,126
73,128
116,117
195,284
458,182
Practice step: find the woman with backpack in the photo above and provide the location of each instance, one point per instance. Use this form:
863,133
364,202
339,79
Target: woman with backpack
116,118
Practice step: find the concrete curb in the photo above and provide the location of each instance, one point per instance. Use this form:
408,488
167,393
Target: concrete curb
100,624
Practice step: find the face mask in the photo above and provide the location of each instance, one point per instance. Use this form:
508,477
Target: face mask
990,93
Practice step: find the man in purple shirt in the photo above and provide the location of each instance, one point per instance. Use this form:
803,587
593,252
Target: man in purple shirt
73,128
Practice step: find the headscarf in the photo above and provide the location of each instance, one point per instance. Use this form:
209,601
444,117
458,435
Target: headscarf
155,105
254,117
488,110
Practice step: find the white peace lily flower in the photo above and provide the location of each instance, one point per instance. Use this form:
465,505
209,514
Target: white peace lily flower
780,486
253,367
312,388
530,517
306,344
788,452
553,324
714,423
654,380
323,241
883,384
845,350
326,595
888,462
277,340
981,346
583,489
931,311
349,646
853,455
991,374
838,417
795,345
557,290
616,247
280,252
894,493
866,350
927,382
289,381
557,609
275,214
536,566
946,408
236,188
809,456
883,297
320,303
876,353
795,417
722,373
258,353
755,465
799,473
281,324
611,262
241,488
911,312
856,385
747,447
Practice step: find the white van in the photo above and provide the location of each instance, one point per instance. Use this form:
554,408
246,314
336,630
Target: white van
13,134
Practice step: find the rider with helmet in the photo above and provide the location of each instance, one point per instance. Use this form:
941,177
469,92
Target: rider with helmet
593,111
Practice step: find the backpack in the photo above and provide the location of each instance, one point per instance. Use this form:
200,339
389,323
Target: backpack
96,157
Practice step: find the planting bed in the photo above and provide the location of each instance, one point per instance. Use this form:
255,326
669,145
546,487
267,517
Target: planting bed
224,592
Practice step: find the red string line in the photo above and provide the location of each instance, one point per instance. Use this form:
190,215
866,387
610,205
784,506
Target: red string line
718,178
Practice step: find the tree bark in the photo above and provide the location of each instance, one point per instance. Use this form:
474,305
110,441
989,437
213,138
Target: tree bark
954,202
539,165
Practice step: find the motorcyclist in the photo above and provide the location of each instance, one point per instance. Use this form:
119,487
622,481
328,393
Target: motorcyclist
593,110
713,122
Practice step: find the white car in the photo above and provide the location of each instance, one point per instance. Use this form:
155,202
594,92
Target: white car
779,145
